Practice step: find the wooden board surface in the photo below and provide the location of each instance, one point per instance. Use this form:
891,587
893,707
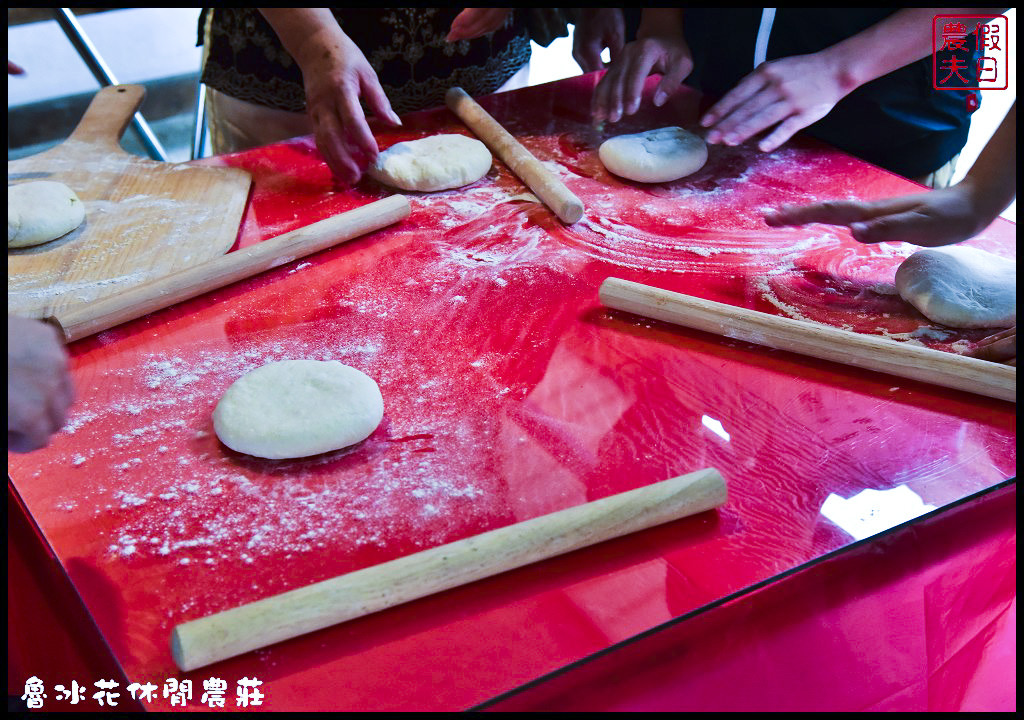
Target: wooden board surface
143,219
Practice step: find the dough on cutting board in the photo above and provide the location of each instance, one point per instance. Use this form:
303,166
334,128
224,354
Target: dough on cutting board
960,286
661,155
437,162
297,408
41,211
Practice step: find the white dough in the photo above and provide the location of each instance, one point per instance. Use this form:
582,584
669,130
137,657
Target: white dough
297,408
960,286
41,211
662,155
437,162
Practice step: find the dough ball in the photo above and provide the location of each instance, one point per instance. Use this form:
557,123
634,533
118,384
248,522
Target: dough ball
662,155
438,162
959,286
296,408
41,211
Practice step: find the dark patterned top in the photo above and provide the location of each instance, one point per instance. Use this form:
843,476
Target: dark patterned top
405,46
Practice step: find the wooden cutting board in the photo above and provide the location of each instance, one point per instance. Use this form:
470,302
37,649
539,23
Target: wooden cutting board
143,219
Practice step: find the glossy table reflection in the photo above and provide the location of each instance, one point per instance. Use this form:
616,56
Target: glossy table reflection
509,392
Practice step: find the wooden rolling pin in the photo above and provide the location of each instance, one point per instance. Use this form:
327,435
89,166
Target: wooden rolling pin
217,637
221,271
523,163
865,351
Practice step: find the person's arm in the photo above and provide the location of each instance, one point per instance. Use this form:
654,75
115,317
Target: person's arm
39,390
788,94
659,48
336,76
992,180
937,217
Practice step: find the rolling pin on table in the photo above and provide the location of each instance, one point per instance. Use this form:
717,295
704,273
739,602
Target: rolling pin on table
544,184
226,269
207,640
820,341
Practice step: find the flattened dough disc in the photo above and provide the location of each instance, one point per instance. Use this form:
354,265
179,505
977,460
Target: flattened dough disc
960,286
437,162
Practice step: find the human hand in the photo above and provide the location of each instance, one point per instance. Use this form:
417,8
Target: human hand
785,95
620,90
597,29
14,69
999,347
472,23
931,219
39,390
337,75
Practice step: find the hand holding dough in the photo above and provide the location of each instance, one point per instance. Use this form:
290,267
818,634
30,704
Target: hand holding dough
662,155
41,211
437,162
297,408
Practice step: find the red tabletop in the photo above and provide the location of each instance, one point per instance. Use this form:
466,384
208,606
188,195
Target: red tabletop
509,392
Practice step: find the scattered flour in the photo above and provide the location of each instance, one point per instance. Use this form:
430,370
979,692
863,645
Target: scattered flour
209,505
171,490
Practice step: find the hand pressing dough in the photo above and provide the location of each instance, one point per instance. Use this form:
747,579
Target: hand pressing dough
437,162
297,408
41,211
662,155
959,286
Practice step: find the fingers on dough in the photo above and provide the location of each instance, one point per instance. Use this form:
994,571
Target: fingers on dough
433,163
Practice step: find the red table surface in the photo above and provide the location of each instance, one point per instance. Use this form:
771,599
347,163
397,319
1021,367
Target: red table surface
921,618
509,392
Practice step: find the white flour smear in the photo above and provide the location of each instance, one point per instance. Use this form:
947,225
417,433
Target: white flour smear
177,492
174,491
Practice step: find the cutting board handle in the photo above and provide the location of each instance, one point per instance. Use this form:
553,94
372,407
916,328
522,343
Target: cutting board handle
108,115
